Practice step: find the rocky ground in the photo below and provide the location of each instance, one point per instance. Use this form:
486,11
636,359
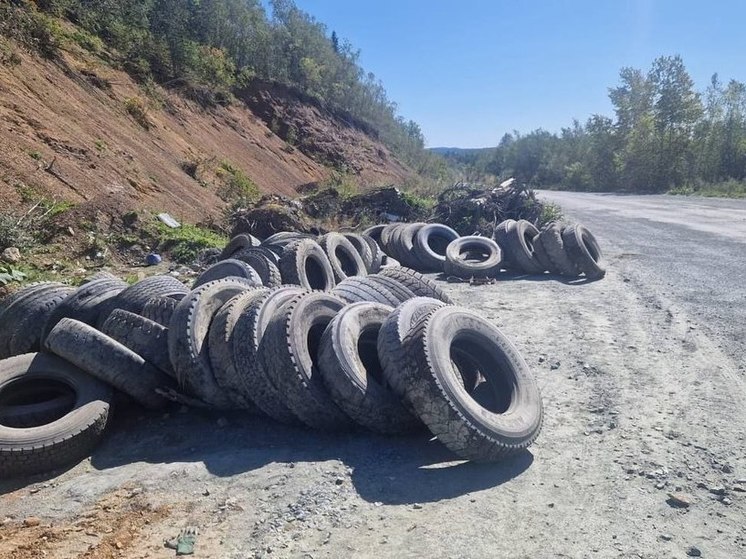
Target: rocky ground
641,454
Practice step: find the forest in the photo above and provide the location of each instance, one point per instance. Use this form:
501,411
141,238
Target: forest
664,137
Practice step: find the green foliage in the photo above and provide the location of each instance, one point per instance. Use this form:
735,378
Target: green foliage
236,186
549,212
186,242
35,30
10,274
35,155
421,203
342,182
138,110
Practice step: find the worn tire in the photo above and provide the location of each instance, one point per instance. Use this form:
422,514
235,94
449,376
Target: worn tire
264,265
188,339
220,347
344,258
406,248
490,257
355,290
582,248
508,422
542,257
230,268
305,263
397,289
363,247
416,283
146,338
374,232
551,241
241,241
378,254
288,355
502,232
430,244
352,372
160,310
25,451
521,249
109,361
134,297
248,334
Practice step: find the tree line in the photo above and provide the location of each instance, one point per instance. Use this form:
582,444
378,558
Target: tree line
216,46
664,136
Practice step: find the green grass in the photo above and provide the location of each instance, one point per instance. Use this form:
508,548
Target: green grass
726,189
186,242
237,187
549,212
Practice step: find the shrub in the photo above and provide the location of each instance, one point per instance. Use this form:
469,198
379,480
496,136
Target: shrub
186,242
237,187
138,110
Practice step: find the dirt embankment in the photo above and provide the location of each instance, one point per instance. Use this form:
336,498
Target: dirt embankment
78,130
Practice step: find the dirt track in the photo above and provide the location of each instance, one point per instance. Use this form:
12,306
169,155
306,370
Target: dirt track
643,398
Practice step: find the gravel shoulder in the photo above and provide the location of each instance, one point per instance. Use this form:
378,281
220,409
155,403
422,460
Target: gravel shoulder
643,394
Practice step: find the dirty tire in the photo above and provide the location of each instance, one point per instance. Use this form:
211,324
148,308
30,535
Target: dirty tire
230,268
487,265
406,246
374,232
430,245
143,336
542,257
264,265
355,290
220,347
343,256
582,248
363,248
109,361
305,263
508,422
397,289
160,310
70,438
84,304
551,241
288,354
502,231
248,334
134,297
521,248
38,406
397,362
352,373
377,253
237,243
188,334
416,283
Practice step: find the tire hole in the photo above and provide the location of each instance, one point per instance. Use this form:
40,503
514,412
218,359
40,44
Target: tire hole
367,349
483,376
315,273
346,262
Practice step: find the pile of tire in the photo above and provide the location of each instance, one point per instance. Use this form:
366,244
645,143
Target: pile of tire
331,341
518,246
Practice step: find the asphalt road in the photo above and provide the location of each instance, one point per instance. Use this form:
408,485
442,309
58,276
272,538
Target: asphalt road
690,250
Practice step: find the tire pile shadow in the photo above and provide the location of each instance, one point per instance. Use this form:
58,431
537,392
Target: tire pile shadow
390,470
515,276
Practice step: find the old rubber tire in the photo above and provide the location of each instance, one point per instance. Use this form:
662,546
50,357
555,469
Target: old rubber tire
220,347
542,257
430,245
343,256
13,308
109,361
363,248
305,263
582,248
230,268
395,287
416,283
374,232
473,257
188,339
507,421
143,336
520,245
352,373
551,241
406,248
264,265
248,334
355,290
25,451
134,297
288,354
377,253
502,231
160,310
241,241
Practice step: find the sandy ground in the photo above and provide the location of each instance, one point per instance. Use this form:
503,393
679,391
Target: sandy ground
643,392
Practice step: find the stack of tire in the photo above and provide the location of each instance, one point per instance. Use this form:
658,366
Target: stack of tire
386,351
561,249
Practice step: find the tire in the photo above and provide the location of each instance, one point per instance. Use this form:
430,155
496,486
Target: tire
283,238
248,334
416,283
34,404
264,265
430,245
542,257
134,298
385,240
237,243
502,232
70,438
109,361
395,244
397,363
377,254
520,246
352,372
220,347
582,248
305,263
363,248
84,304
288,356
228,269
508,422
489,255
399,290
551,241
344,258
160,310
374,232
355,290
146,338
188,339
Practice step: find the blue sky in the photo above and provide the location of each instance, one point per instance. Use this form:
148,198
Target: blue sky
472,70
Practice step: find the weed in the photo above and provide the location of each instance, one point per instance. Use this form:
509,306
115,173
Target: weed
35,155
549,212
86,41
138,110
726,189
342,182
101,145
237,187
10,274
186,242
423,203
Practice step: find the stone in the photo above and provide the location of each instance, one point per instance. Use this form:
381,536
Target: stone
680,500
31,521
555,365
717,490
11,255
694,552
